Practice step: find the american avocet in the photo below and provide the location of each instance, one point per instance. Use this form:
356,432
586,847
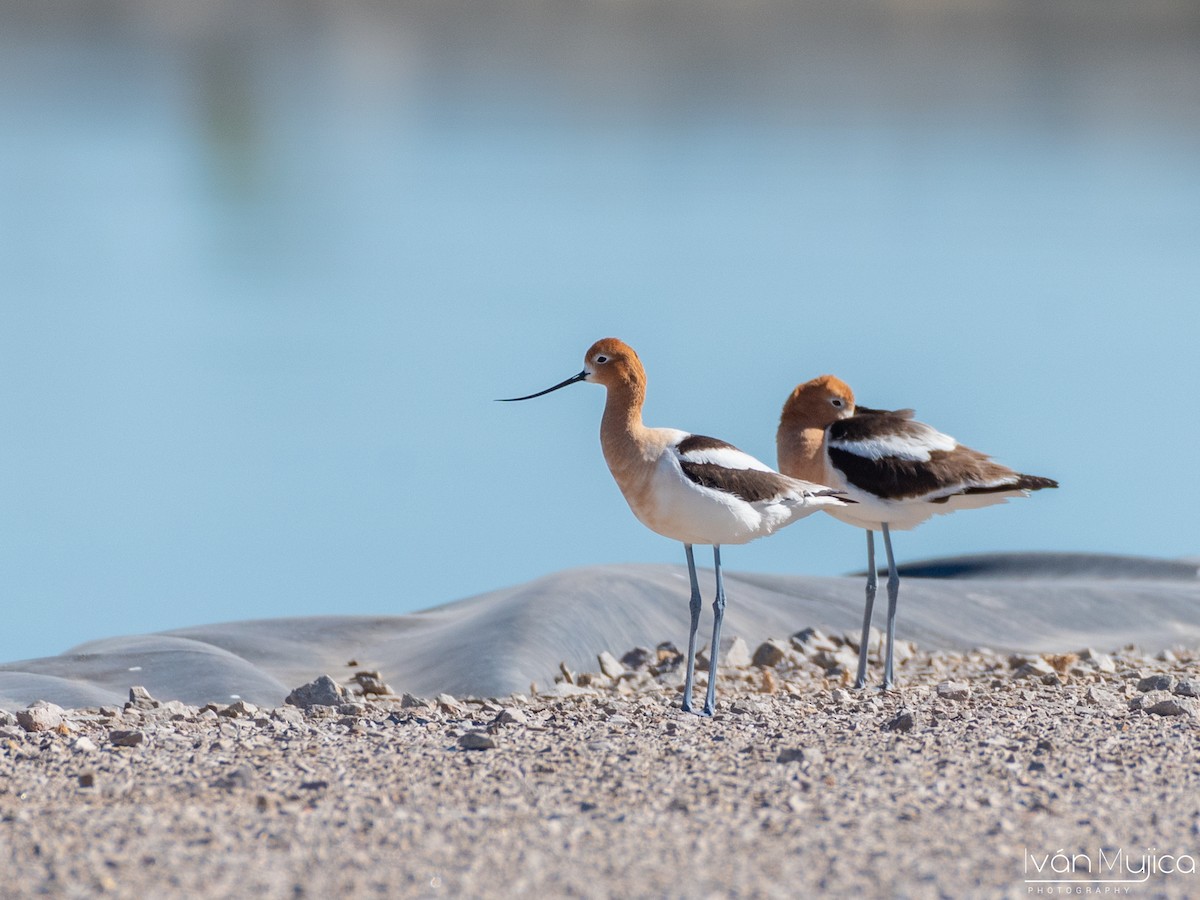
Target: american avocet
688,487
900,471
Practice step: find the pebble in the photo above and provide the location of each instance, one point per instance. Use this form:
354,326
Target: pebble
954,690
239,709
1156,683
638,658
1188,687
511,716
139,698
610,665
84,744
735,653
372,683
477,740
41,716
1102,662
1037,669
769,654
1170,707
902,721
1100,697
812,640
323,691
126,738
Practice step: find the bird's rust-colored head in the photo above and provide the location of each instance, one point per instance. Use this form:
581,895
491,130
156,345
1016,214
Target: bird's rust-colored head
613,363
810,408
609,362
818,403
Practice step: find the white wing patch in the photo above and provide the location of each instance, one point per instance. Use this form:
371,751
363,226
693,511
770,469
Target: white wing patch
725,457
917,445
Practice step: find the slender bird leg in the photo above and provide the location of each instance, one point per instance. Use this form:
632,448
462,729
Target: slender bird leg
718,617
694,608
893,587
872,581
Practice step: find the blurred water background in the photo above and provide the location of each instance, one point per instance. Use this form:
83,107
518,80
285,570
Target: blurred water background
265,265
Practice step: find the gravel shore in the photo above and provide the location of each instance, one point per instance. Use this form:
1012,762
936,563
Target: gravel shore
966,781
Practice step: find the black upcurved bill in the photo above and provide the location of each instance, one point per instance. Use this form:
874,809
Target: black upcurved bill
574,378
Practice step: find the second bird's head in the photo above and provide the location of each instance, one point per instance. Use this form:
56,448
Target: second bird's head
817,403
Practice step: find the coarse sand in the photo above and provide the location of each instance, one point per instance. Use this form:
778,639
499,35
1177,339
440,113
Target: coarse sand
981,772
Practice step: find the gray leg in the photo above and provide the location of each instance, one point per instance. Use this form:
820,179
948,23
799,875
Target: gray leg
694,608
872,581
893,586
718,617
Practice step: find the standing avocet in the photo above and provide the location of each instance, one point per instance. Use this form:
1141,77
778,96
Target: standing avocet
688,487
900,471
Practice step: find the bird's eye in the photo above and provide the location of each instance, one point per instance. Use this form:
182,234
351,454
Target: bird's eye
836,402
602,359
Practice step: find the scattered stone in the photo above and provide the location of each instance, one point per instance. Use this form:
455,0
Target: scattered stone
1156,683
904,651
177,709
477,740
511,716
1037,669
769,654
902,721
1102,662
84,744
126,738
139,698
1100,697
853,639
408,701
40,716
1188,687
323,691
239,709
450,704
843,659
563,689
1062,662
812,640
372,683
1170,707
7,718
668,656
735,653
954,690
610,665
638,658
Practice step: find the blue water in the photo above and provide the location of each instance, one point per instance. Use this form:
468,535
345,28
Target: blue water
262,278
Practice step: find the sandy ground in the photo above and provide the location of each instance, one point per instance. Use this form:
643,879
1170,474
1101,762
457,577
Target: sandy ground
963,782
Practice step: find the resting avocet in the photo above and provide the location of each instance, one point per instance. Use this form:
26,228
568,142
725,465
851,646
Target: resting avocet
900,471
